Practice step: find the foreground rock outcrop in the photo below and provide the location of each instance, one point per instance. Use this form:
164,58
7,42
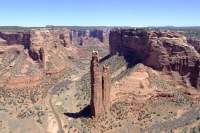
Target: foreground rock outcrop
162,50
100,87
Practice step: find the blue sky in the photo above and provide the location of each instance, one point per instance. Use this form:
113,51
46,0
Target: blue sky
136,13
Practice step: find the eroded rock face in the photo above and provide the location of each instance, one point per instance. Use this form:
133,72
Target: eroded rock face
65,39
47,39
34,39
15,37
160,49
23,53
195,44
42,57
82,42
89,36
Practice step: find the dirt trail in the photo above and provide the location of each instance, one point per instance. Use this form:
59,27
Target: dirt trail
56,116
56,87
53,90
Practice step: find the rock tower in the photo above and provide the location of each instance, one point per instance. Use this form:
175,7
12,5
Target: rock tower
100,87
106,88
42,58
82,41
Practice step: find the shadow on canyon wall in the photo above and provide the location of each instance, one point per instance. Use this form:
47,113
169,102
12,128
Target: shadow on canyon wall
132,60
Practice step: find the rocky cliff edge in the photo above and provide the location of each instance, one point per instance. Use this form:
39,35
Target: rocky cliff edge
162,50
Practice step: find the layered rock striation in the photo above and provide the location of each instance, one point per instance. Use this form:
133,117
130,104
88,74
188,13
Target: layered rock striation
15,37
37,41
47,39
162,50
26,54
100,87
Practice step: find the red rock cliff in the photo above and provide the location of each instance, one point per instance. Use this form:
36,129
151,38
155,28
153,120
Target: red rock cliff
26,51
34,39
195,43
159,49
41,45
86,36
47,38
15,37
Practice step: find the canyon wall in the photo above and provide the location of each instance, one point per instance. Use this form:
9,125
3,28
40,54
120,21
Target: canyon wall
32,39
47,39
195,43
45,51
15,37
35,39
91,37
162,50
26,54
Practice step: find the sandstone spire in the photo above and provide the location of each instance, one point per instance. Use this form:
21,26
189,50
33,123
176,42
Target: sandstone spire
100,87
82,41
96,86
106,88
42,57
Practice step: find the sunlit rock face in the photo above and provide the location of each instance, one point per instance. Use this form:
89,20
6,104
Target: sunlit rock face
162,50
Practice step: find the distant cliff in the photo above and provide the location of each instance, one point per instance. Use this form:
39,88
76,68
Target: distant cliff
45,51
195,43
160,49
15,37
36,39
90,37
32,54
